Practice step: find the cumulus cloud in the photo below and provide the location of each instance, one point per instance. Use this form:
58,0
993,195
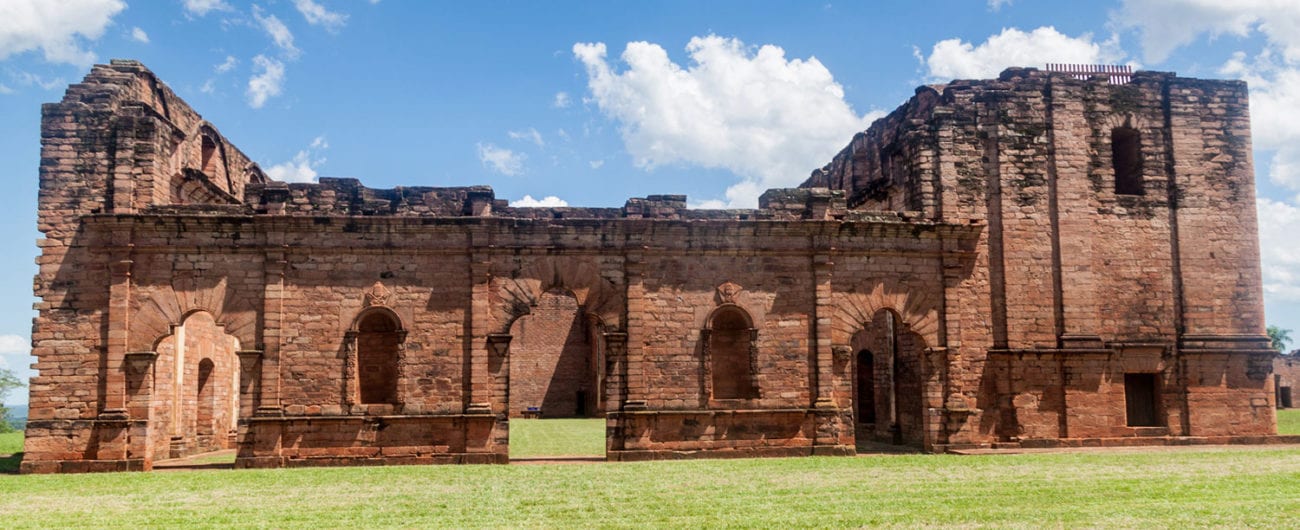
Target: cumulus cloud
550,201
530,135
203,7
278,31
139,35
1166,25
317,15
302,168
996,5
1279,255
501,160
957,59
768,119
229,64
57,29
561,100
11,344
267,82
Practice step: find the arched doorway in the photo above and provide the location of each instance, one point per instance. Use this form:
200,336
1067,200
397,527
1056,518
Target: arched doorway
196,394
888,393
553,361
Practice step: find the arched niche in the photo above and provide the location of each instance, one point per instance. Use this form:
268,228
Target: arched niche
730,355
374,367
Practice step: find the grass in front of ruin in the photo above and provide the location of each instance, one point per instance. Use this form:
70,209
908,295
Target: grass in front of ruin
1240,486
582,437
1288,421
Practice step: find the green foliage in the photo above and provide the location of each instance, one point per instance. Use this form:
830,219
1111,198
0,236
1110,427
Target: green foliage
8,382
1161,488
1280,337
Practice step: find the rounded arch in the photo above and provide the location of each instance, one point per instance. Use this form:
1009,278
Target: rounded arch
917,311
159,308
372,314
727,311
516,295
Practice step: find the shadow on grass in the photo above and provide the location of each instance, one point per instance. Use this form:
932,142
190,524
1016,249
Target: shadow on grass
9,463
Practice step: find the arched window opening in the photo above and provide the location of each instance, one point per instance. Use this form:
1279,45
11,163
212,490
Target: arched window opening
866,385
1126,159
208,159
378,341
731,353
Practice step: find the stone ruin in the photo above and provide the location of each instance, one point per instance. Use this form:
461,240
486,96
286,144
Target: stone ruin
1039,260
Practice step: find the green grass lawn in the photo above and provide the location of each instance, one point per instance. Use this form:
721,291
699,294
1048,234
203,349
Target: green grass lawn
1288,421
1200,487
558,437
1189,488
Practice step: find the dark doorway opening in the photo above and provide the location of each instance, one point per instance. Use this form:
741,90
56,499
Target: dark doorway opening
1141,400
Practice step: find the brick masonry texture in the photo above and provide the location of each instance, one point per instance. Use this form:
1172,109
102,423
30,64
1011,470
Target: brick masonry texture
972,244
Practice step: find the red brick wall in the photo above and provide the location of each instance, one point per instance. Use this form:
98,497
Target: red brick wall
550,359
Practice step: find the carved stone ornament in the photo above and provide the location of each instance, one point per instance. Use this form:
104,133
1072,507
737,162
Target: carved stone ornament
377,295
727,292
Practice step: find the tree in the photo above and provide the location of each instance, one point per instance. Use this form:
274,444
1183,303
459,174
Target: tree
8,381
1280,337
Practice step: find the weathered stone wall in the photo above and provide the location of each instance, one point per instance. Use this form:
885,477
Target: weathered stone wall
973,242
1075,279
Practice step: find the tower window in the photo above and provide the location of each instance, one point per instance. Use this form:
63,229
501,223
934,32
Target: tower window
1126,158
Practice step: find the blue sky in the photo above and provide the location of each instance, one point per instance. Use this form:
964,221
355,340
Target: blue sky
589,104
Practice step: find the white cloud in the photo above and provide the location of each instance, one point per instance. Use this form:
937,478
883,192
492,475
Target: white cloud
768,119
267,83
503,161
550,201
30,79
1279,255
5,89
56,28
11,344
1166,25
561,100
302,168
996,5
229,64
317,15
278,31
596,164
530,135
139,35
956,59
203,7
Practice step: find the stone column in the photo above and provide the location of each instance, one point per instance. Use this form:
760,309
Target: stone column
480,316
615,371
273,318
823,361
250,365
498,347
635,390
138,369
119,302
